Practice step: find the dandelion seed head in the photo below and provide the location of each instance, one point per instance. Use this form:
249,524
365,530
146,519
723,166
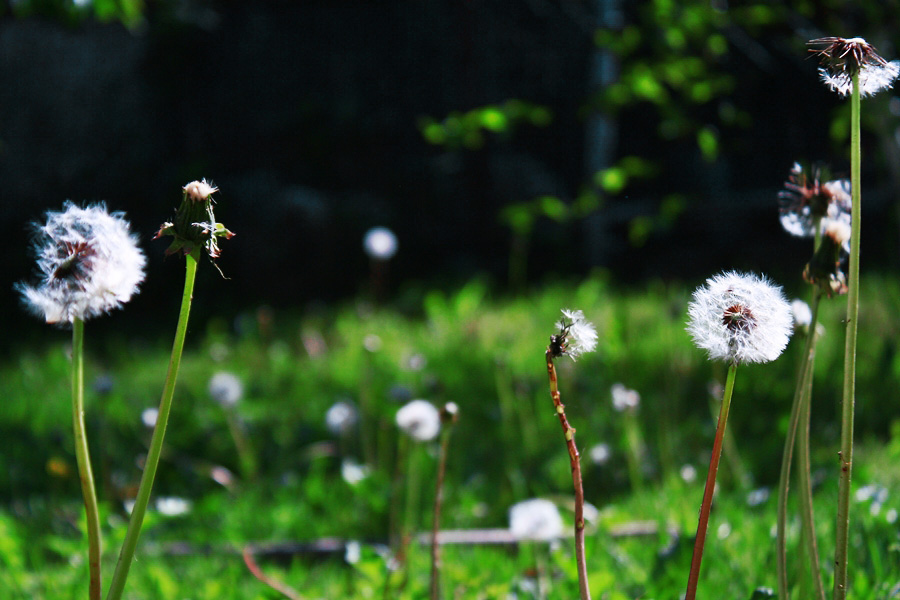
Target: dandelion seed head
89,264
740,318
380,243
535,519
341,417
801,313
226,388
842,58
623,398
420,420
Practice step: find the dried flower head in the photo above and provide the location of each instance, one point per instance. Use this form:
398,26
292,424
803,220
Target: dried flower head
740,318
535,519
195,224
420,420
805,200
89,263
576,336
842,58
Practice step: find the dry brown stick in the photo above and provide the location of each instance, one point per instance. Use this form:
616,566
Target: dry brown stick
276,585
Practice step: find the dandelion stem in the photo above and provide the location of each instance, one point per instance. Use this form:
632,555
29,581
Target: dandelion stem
799,413
575,461
83,458
436,524
159,432
845,457
703,522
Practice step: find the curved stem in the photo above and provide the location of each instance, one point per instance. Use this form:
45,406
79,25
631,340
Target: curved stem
83,458
575,461
703,523
156,442
436,522
842,527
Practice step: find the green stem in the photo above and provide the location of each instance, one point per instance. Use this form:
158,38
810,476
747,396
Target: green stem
436,521
703,523
842,527
83,458
784,481
143,496
807,517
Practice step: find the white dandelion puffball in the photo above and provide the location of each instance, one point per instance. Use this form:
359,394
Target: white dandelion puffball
535,519
740,318
89,263
226,388
579,335
801,313
624,398
341,417
420,420
380,243
872,79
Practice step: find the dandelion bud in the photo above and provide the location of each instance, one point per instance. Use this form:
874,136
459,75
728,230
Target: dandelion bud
195,224
89,264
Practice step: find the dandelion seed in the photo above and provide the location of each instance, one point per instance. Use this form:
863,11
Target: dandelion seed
576,336
535,519
842,58
740,318
89,264
420,420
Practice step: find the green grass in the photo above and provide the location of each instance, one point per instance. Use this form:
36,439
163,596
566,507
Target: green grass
486,355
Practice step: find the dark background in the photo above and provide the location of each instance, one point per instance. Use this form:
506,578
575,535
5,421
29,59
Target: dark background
309,116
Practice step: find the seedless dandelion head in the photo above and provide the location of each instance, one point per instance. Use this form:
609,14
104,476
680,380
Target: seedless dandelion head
89,264
740,318
842,58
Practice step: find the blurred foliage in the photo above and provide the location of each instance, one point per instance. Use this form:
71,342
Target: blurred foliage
128,12
467,130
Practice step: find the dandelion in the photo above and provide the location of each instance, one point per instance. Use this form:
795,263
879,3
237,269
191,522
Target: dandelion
535,519
226,389
420,420
341,418
352,472
380,243
740,318
576,336
801,313
842,58
172,506
624,398
89,263
599,454
806,200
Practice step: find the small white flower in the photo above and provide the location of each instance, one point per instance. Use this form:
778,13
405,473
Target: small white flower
341,417
801,312
89,264
420,420
740,318
226,388
535,519
576,336
624,398
380,243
